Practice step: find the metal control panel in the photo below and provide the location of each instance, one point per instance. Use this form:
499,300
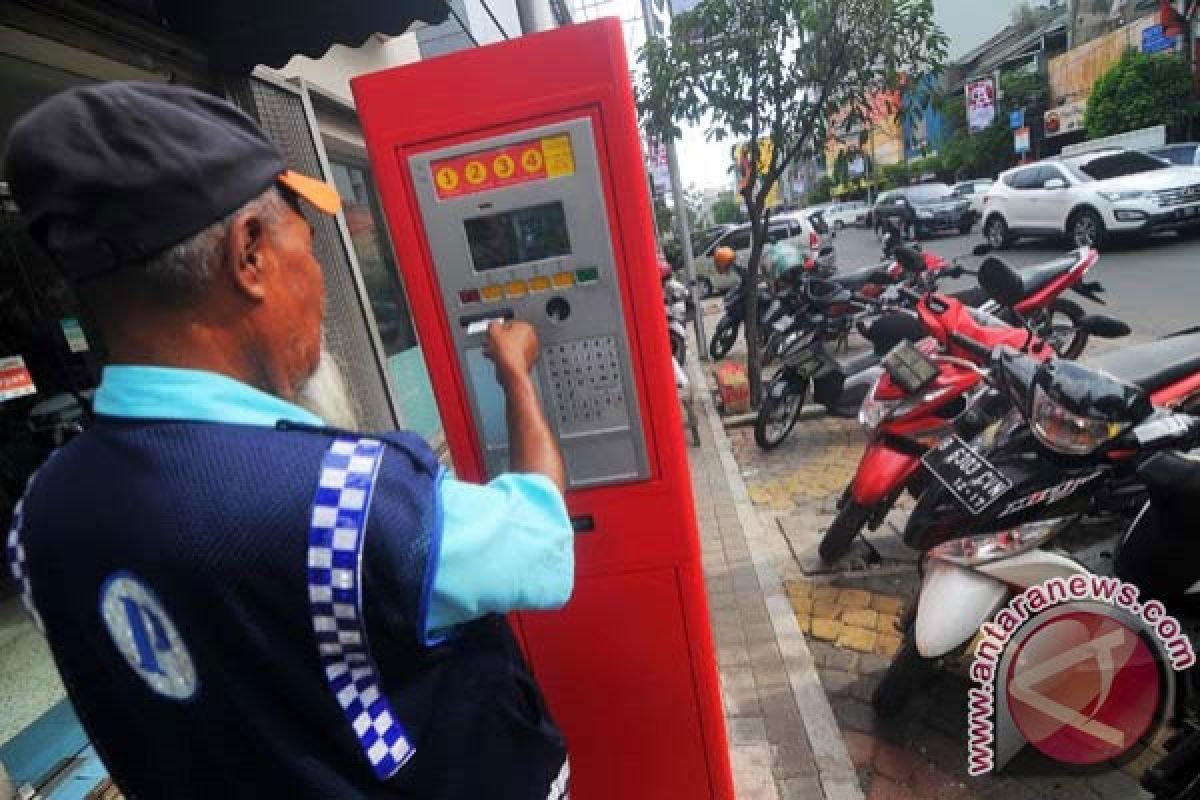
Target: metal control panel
518,229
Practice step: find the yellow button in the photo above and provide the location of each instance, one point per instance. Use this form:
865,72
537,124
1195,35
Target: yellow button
564,280
492,293
539,284
515,289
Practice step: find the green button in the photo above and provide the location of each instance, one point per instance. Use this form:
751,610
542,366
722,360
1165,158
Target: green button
588,274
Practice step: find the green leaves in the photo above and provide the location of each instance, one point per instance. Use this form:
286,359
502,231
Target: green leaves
784,70
1139,91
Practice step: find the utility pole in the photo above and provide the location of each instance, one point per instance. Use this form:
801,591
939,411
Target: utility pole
683,228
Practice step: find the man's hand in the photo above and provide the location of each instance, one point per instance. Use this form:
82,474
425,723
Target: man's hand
513,347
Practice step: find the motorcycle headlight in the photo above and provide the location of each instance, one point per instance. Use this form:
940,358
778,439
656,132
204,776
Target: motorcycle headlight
1067,432
876,411
1114,197
971,551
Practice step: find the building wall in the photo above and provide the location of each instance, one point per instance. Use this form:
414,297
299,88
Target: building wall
1073,73
333,71
448,37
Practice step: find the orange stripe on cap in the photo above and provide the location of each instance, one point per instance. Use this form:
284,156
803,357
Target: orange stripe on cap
323,196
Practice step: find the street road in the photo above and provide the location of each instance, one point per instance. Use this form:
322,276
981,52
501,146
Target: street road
1152,284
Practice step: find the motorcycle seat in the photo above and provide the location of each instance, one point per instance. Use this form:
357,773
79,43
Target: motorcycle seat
1153,365
855,279
1009,286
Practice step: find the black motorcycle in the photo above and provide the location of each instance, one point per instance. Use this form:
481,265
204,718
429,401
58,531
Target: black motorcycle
725,335
805,359
1052,447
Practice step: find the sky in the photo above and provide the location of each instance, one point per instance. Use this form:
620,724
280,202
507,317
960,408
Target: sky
968,23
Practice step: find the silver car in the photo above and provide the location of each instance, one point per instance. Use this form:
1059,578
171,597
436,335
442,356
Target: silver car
815,235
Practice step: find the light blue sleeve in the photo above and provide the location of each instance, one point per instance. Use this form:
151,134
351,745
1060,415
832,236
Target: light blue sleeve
506,546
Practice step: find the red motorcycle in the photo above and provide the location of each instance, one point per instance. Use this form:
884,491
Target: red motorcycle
907,412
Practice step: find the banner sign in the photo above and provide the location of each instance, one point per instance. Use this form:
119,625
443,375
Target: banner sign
981,104
1154,40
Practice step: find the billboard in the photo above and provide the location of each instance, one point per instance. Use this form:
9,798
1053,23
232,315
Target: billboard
981,104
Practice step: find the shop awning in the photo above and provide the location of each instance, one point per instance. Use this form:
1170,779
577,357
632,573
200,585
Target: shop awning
239,34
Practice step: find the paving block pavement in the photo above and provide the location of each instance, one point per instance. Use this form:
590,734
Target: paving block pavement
784,739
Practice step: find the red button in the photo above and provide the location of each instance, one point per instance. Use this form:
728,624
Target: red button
468,296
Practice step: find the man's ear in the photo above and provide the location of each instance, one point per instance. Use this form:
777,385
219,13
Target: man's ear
247,255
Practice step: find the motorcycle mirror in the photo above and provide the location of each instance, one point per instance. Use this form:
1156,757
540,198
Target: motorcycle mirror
981,249
1104,327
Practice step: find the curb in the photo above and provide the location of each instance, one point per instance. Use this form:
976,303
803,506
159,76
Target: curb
835,770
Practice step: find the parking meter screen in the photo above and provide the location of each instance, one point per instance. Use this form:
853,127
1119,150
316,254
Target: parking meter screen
518,237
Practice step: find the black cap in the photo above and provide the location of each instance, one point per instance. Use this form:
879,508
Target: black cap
109,175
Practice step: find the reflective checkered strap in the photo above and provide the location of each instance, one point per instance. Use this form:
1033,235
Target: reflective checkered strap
339,521
15,551
16,563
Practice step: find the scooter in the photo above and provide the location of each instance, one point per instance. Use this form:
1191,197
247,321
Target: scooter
1021,503
675,297
903,420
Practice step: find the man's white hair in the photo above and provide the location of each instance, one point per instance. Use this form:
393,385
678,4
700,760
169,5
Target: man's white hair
179,275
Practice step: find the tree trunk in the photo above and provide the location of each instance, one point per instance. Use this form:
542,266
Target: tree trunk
758,235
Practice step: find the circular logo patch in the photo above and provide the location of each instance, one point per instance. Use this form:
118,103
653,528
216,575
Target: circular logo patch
146,636
1084,687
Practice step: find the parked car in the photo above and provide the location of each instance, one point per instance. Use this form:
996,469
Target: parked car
974,191
1091,196
788,225
848,214
923,209
1181,154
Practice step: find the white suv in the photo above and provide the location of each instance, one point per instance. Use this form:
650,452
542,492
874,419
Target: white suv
1091,196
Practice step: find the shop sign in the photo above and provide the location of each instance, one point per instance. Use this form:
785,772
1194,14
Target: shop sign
15,379
1065,119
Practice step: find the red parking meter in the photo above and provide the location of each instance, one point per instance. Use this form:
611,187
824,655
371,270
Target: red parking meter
514,187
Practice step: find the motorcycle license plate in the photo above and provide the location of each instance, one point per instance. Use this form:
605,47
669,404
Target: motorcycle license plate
970,477
806,362
783,323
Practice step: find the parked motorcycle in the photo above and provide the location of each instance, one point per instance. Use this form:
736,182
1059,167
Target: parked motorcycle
725,335
904,418
675,299
1087,427
838,385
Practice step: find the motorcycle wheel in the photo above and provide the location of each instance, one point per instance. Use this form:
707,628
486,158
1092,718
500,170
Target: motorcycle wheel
849,522
679,348
778,413
723,339
1058,326
903,679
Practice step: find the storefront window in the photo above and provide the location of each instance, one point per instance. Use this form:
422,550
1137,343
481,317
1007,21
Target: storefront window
406,365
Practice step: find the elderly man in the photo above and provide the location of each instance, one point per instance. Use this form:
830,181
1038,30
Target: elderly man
242,600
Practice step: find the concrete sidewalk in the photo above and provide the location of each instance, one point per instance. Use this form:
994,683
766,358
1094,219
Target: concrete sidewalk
784,739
